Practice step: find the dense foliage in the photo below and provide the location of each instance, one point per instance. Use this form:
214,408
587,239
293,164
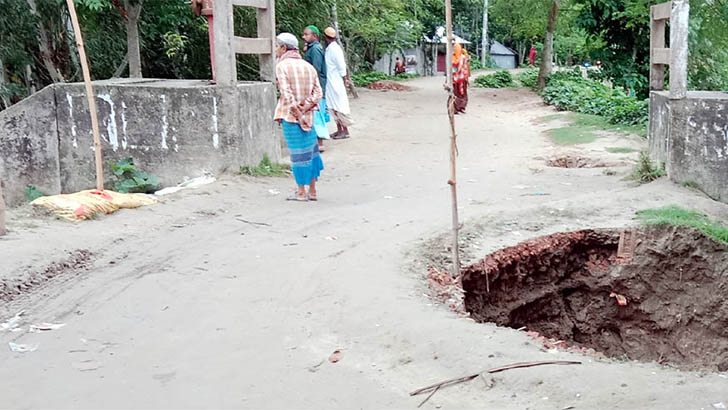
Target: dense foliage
528,78
364,78
37,45
499,79
131,179
569,91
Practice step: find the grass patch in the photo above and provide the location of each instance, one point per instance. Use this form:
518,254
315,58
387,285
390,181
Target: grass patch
552,117
620,150
676,216
691,185
646,170
572,135
266,168
589,120
583,127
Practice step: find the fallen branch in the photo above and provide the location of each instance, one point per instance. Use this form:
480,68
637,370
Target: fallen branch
428,397
467,378
252,222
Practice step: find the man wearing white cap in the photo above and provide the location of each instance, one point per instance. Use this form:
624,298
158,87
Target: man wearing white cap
336,97
300,91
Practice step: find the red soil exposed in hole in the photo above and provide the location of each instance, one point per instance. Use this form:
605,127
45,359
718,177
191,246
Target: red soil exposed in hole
559,285
386,85
578,162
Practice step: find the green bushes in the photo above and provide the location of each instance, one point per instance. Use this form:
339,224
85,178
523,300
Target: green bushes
647,171
365,78
499,79
528,78
569,91
130,179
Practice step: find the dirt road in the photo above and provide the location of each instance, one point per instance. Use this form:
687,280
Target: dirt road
228,296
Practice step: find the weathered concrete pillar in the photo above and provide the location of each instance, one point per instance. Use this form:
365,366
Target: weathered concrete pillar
657,42
266,29
679,27
226,72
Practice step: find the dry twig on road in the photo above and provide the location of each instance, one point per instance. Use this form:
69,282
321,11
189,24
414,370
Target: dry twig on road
435,387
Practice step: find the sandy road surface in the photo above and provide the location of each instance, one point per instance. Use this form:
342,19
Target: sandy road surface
183,305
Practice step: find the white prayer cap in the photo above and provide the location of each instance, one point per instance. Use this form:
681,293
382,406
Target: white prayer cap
288,39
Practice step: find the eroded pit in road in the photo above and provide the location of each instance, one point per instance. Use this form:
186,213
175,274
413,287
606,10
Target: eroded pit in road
566,286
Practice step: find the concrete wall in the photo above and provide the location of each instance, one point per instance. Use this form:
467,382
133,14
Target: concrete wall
172,128
29,147
504,61
386,63
690,136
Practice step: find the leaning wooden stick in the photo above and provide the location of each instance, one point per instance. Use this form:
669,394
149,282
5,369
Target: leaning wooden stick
89,95
469,377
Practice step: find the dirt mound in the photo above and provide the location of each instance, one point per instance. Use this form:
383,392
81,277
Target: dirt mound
578,162
667,304
387,85
77,261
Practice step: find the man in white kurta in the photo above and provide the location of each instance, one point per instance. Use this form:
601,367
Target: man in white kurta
336,98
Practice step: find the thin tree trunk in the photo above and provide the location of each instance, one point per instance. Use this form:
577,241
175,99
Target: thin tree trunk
132,38
120,68
71,47
3,231
485,52
347,78
548,46
43,43
391,57
29,79
5,100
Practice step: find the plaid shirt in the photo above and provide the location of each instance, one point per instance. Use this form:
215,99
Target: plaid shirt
299,86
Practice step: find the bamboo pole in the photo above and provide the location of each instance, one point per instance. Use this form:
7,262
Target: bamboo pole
453,142
89,95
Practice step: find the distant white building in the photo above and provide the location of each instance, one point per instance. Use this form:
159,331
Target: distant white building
502,56
427,59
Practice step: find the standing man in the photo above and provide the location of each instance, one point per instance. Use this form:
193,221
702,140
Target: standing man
300,94
336,97
316,57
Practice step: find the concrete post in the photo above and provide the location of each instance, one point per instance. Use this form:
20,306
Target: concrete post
679,27
657,41
225,70
266,29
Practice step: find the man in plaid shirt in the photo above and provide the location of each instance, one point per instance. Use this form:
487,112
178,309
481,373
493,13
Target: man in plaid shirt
301,92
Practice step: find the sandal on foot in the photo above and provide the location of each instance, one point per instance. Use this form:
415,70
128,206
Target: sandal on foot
340,136
295,197
312,198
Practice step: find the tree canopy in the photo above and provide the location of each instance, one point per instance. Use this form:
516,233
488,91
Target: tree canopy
37,45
